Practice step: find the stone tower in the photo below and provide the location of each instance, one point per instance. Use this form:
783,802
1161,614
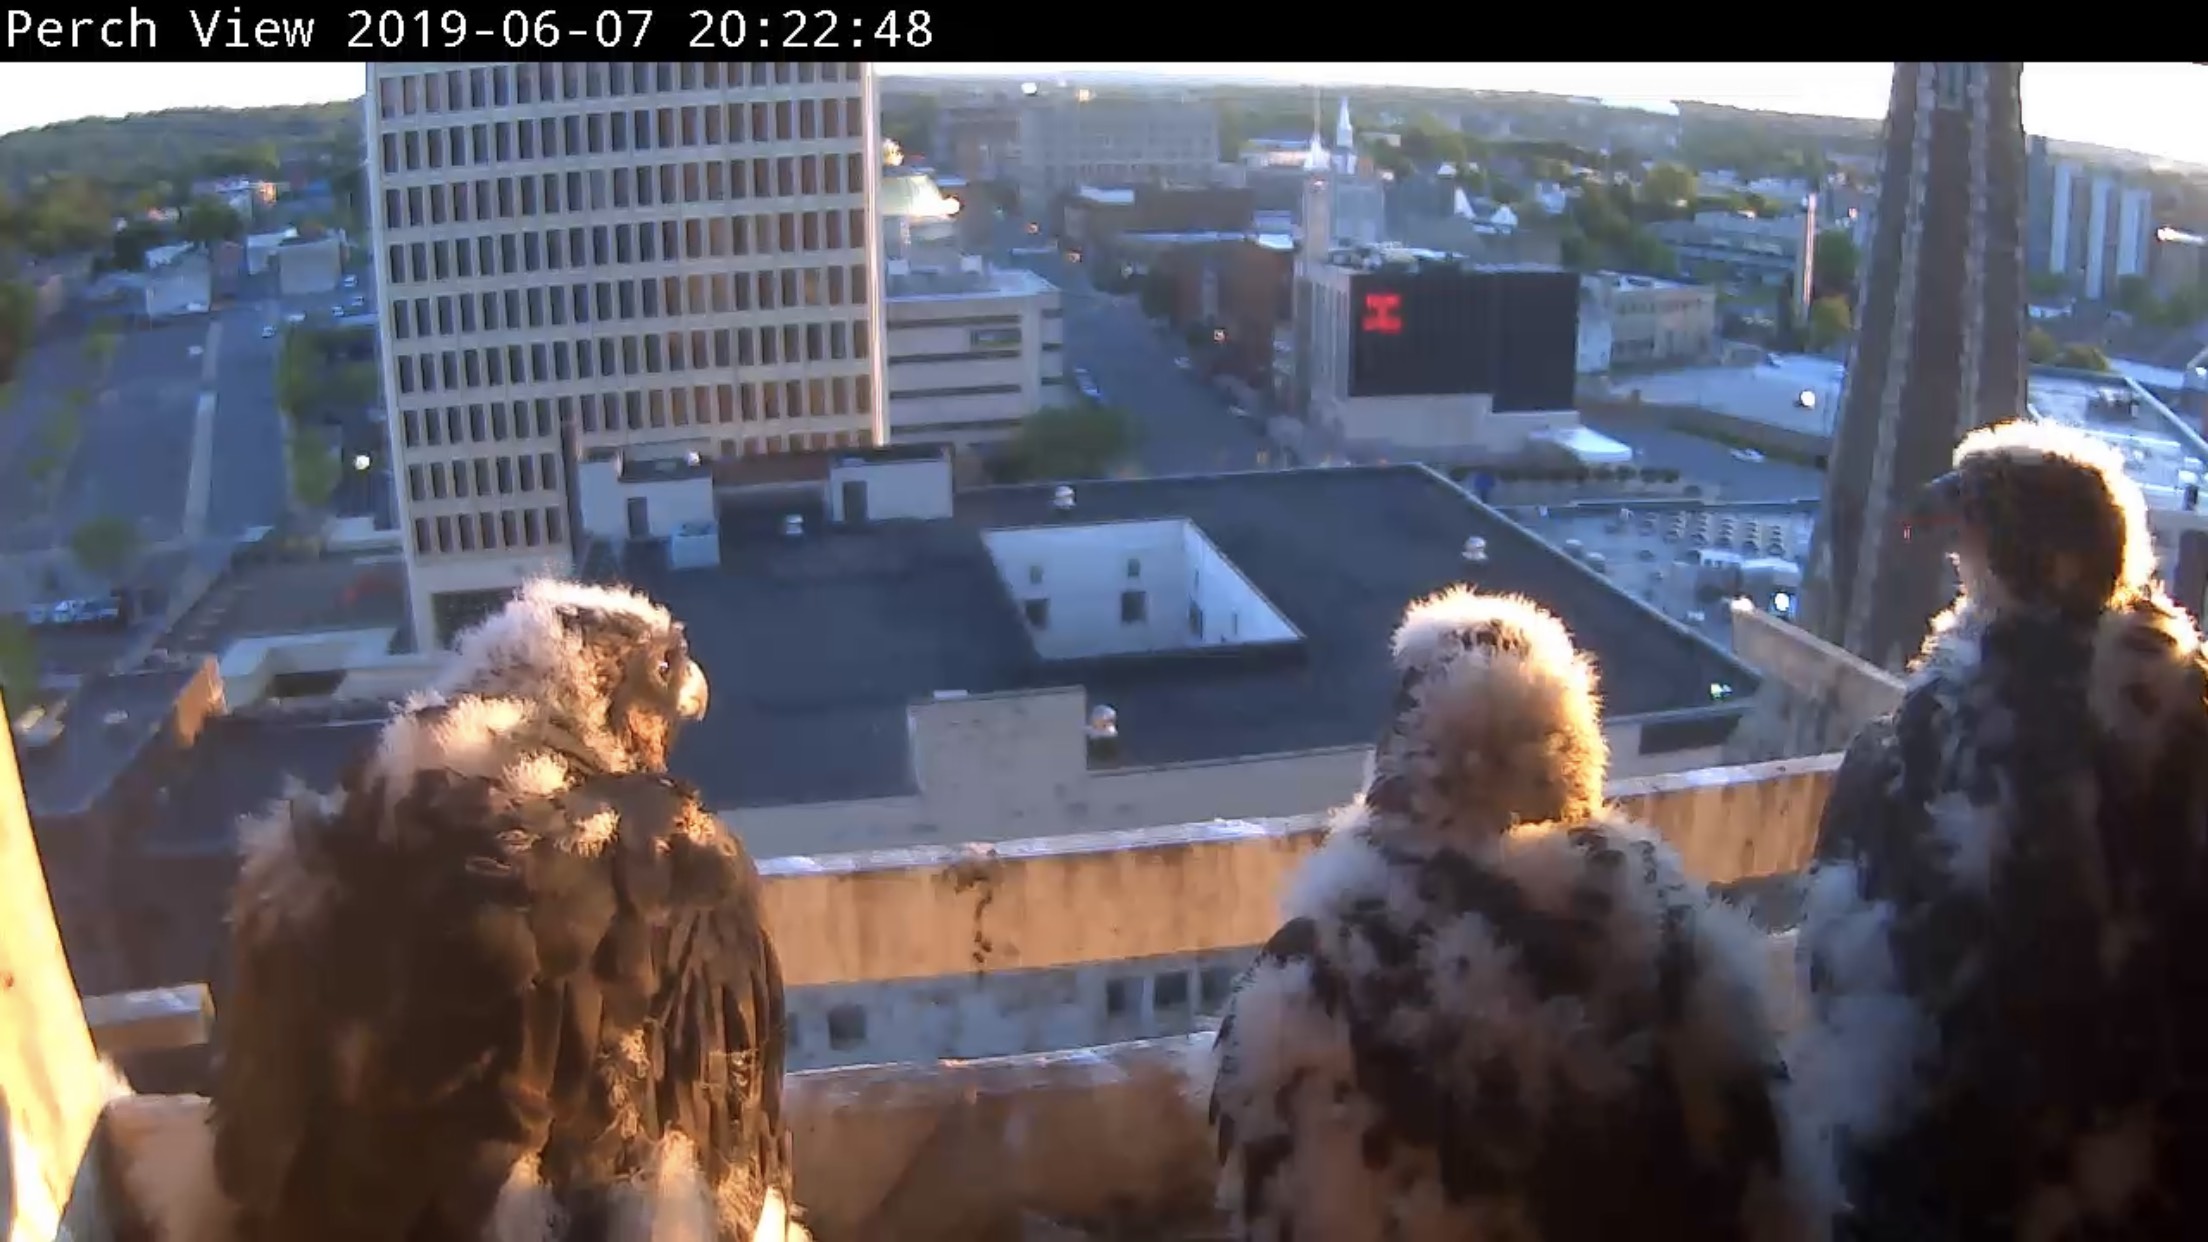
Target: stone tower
1939,348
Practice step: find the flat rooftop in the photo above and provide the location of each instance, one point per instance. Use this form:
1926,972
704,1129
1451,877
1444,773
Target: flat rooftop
105,726
994,282
2164,454
816,646
1769,392
1649,549
293,597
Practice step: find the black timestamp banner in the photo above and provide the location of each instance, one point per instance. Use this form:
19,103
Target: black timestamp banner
522,30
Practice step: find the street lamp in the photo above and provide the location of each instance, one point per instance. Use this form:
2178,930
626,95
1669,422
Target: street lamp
360,461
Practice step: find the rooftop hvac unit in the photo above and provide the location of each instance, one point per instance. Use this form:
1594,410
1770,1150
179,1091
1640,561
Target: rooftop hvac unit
1061,498
1475,550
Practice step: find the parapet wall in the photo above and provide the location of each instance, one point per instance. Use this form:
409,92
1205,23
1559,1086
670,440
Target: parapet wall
921,1149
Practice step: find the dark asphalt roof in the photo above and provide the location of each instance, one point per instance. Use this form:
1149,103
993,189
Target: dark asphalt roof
243,760
817,646
107,723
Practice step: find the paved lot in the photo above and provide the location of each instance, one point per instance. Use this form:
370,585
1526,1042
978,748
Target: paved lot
1183,423
135,437
1709,462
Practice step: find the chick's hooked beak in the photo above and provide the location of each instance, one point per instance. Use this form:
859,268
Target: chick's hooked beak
1937,510
691,699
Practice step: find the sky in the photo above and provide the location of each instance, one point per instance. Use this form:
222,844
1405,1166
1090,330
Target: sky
2151,108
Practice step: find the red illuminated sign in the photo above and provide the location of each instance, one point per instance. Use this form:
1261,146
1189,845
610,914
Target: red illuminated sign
1384,313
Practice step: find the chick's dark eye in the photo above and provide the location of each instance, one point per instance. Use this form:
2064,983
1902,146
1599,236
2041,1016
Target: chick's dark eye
666,668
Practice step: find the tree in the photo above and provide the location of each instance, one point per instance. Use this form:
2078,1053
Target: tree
2040,346
105,546
1157,293
1837,261
18,662
2082,357
1084,442
100,345
128,251
207,221
18,314
1669,188
315,470
2047,284
1829,322
2134,296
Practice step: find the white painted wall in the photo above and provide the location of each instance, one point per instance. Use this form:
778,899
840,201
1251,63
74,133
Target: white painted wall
895,490
2135,224
1083,574
1228,606
941,391
1594,343
602,499
308,267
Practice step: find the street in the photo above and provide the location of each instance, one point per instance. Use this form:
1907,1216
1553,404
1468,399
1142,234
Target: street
248,487
1182,424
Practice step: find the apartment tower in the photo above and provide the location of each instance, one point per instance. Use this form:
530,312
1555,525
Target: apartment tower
1940,348
587,256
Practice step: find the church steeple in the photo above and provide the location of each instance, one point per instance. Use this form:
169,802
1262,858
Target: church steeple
1345,141
1315,159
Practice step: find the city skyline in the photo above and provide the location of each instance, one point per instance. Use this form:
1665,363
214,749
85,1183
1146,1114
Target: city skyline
2071,102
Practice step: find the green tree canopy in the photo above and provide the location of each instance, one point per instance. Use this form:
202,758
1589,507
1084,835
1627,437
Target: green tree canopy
2083,357
18,314
315,469
1670,187
128,250
209,220
1829,322
2040,346
105,546
1157,293
1837,264
1084,442
18,662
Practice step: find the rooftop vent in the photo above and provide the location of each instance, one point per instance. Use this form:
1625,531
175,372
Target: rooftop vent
117,719
1102,731
793,526
1061,498
1475,550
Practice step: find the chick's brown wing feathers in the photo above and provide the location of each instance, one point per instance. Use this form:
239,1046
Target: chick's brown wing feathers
681,1005
378,1053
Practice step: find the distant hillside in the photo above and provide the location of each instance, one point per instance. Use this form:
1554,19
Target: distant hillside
151,146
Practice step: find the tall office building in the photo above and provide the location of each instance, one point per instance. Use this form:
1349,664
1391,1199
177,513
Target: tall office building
587,256
1940,349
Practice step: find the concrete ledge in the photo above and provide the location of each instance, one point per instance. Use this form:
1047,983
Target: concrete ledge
929,911
1110,1140
157,1020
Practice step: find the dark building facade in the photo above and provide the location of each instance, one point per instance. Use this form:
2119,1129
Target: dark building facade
1096,225
1243,287
1939,350
1511,332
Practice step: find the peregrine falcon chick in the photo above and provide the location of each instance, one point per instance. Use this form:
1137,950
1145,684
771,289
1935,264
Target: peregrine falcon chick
1495,1009
510,981
2005,993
